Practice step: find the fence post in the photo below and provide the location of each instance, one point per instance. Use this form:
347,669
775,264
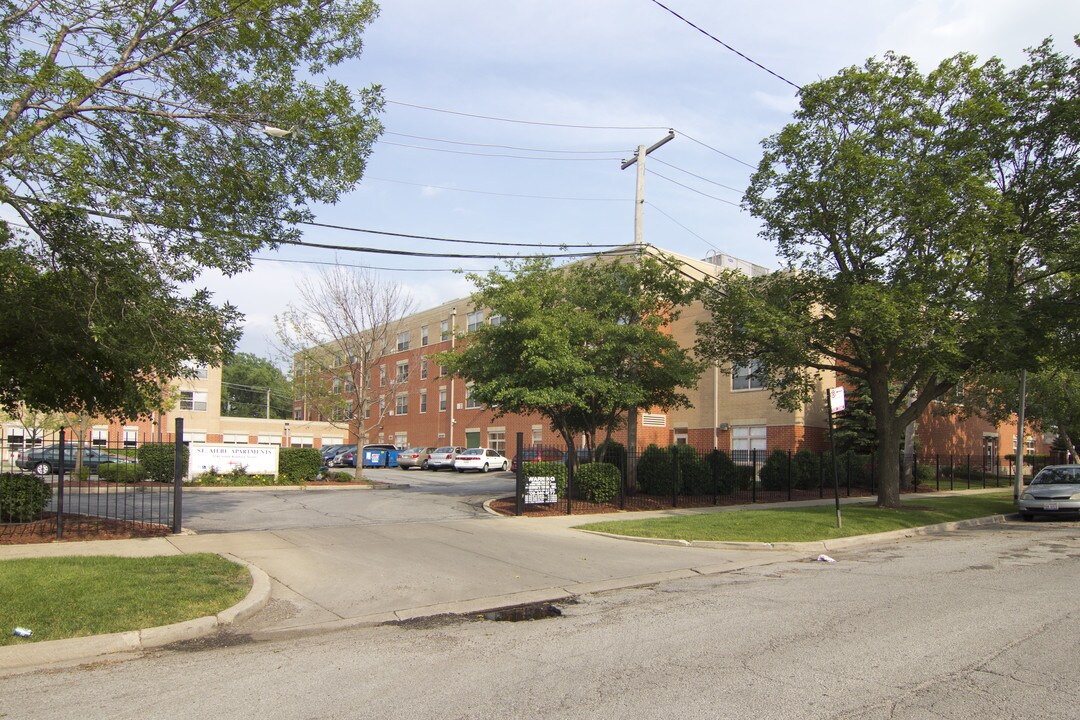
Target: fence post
969,471
624,478
915,470
753,476
178,477
716,476
571,459
676,480
789,475
519,500
60,490
821,474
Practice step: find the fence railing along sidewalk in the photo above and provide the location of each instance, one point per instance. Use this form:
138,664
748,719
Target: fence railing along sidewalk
95,489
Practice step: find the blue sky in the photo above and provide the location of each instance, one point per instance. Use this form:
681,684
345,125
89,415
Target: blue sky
603,64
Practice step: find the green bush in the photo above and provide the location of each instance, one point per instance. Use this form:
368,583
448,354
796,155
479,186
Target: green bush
157,459
238,477
858,470
338,476
806,470
725,472
120,472
655,471
596,482
22,497
774,473
548,468
613,452
299,464
744,476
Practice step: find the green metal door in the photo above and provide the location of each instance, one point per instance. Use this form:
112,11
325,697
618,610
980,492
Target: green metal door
472,438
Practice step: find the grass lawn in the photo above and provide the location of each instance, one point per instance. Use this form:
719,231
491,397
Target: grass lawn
811,523
78,596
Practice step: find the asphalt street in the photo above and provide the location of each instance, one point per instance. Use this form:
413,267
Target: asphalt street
979,623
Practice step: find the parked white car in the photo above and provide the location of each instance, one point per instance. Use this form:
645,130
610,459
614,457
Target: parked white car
481,460
443,457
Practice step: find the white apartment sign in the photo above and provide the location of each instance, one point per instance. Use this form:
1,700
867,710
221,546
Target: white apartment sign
541,491
255,459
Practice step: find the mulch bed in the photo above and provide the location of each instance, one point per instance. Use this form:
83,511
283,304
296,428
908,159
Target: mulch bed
77,527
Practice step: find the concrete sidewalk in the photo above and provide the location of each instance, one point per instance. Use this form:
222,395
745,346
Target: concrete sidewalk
325,579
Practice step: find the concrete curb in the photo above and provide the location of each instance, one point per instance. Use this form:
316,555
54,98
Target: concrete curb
817,545
31,656
296,488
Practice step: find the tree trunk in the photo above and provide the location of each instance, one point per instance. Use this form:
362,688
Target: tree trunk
907,479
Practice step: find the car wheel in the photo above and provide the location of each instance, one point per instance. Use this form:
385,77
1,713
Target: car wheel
504,466
485,468
43,468
424,465
461,470
402,467
1027,517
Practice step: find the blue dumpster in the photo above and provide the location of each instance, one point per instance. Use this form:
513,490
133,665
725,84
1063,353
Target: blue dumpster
380,456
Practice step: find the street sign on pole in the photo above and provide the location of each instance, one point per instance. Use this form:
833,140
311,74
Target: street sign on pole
836,404
836,399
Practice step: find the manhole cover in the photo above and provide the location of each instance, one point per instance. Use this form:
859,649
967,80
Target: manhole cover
535,611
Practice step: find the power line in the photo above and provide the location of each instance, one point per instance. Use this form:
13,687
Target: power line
456,256
718,152
527,122
699,177
349,265
713,37
669,217
496,155
489,192
502,147
676,182
448,240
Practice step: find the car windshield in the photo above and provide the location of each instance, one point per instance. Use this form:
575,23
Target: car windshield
1058,476
445,450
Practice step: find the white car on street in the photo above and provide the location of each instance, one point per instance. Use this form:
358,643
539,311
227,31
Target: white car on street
481,460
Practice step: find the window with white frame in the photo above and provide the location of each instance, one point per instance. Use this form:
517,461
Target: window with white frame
475,319
423,336
401,439
444,330
401,404
197,370
99,436
402,372
298,413
442,371
442,399
743,378
194,436
234,439
537,434
496,320
131,436
423,401
403,340
470,401
337,386
382,376
423,368
350,412
748,441
193,400
497,439
302,441
269,439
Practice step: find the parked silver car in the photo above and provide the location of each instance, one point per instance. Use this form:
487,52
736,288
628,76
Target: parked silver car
414,457
443,457
1054,491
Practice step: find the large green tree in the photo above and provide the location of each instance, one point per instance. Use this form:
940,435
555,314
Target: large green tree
141,142
252,386
578,344
929,227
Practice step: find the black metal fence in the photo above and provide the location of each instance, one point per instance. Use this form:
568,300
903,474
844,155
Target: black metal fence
54,485
682,476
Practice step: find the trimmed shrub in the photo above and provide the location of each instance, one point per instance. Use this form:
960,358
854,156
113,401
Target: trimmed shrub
238,477
338,476
744,476
857,470
548,468
119,472
596,482
299,464
22,497
157,459
725,473
655,471
774,473
806,470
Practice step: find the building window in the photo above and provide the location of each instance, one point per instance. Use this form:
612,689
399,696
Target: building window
367,412
194,436
99,436
337,386
743,378
444,330
382,376
298,414
302,441
423,368
470,402
349,387
403,371
537,434
190,400
748,442
442,399
131,437
269,440
234,439
423,401
423,336
497,440
442,371
476,319
496,320
403,341
198,371
401,405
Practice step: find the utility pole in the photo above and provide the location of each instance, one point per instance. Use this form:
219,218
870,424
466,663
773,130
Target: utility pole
1018,480
639,243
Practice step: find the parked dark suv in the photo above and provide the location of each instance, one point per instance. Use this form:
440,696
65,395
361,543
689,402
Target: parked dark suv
46,460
